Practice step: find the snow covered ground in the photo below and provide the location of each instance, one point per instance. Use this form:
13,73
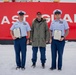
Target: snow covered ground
7,61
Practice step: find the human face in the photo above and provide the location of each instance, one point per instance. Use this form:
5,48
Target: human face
57,16
21,17
39,17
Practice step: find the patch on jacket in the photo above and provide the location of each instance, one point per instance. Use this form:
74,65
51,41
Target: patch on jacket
16,24
60,22
24,23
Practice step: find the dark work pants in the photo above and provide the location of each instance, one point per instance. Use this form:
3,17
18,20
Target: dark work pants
57,47
20,46
42,52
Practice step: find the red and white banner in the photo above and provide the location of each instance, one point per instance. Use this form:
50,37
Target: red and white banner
8,15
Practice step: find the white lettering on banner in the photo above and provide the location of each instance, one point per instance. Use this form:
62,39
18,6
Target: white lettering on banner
25,17
52,17
75,18
68,18
15,18
5,20
48,18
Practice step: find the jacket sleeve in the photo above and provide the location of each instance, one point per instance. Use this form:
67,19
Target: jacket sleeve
47,32
32,31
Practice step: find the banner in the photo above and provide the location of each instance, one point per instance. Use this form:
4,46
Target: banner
8,15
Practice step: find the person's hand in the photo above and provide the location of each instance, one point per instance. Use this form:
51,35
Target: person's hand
62,39
13,37
46,42
50,40
28,41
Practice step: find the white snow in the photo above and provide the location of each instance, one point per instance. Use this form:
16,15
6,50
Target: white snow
7,61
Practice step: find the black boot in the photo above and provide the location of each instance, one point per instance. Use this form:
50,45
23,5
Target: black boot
43,65
17,68
34,65
52,68
59,69
22,68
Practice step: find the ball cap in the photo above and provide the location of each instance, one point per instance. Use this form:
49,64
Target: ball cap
21,12
39,13
57,11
